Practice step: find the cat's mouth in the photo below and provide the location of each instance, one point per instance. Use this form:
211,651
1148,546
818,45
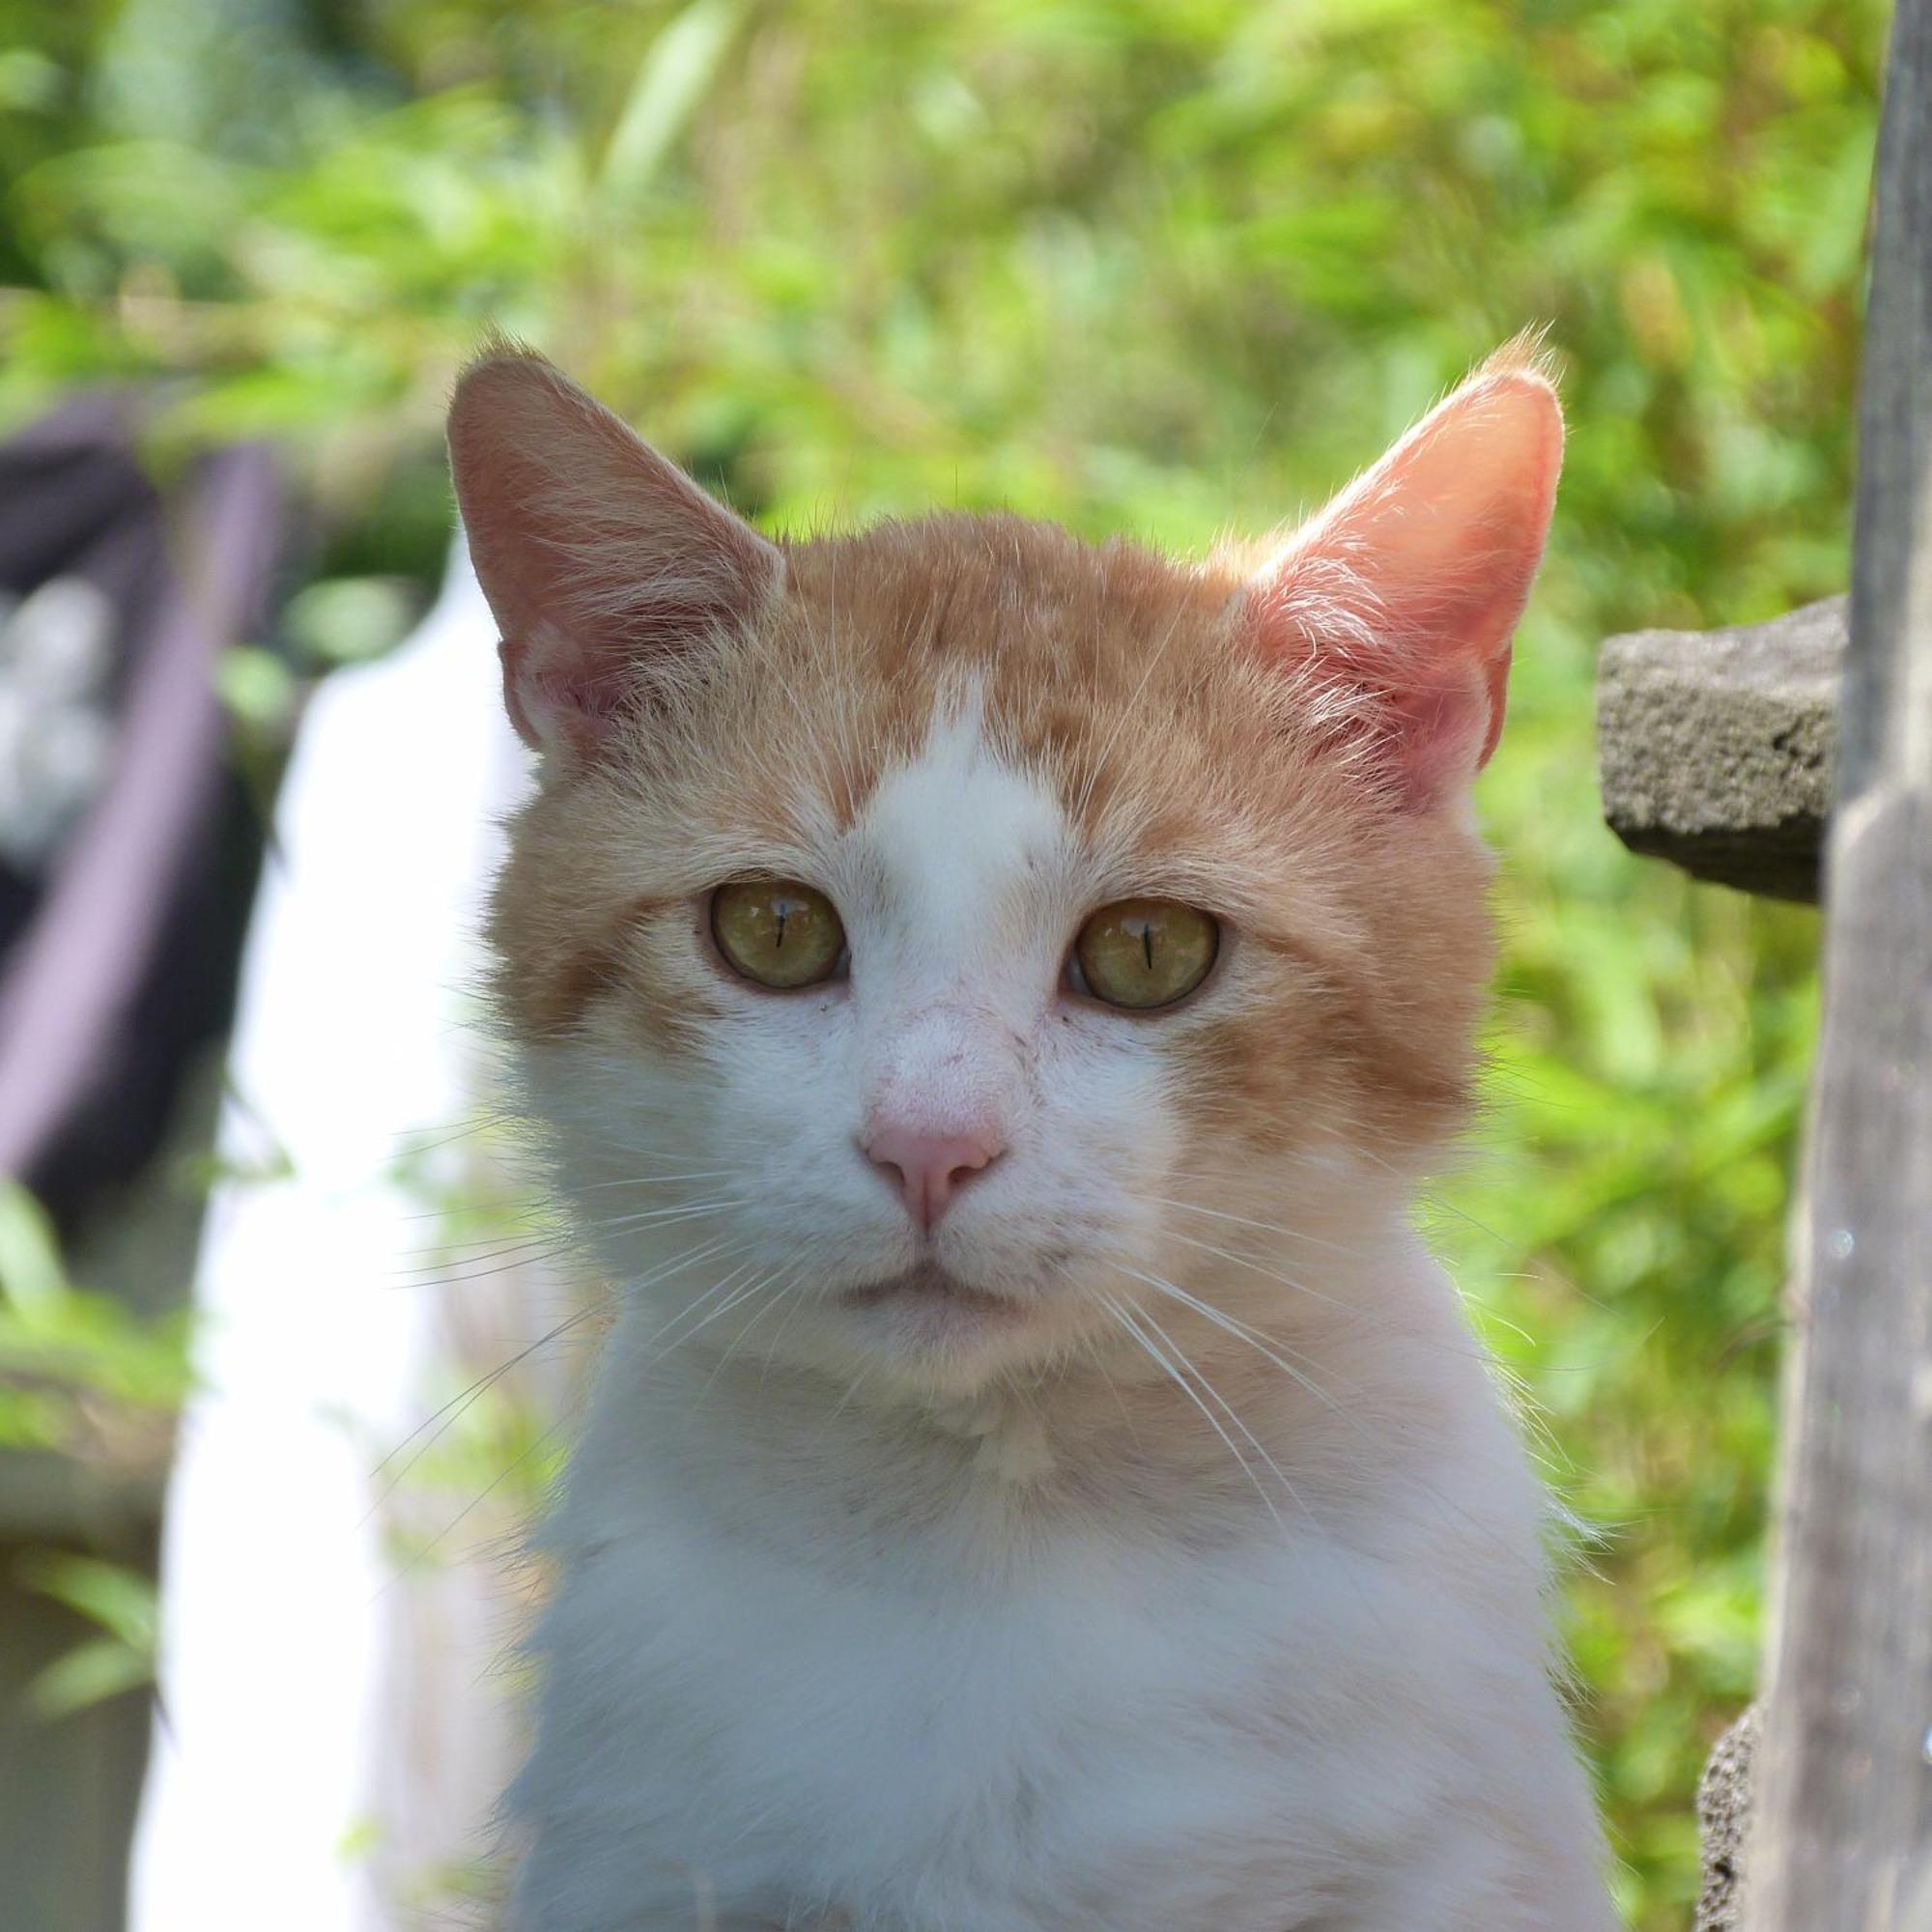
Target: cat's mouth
927,1291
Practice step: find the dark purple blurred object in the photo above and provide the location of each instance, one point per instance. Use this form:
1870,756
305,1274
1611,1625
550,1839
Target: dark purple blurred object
119,962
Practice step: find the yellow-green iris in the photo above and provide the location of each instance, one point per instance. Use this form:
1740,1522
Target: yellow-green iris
777,933
1141,953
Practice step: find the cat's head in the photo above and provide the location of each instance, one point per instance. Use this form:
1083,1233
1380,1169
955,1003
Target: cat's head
929,946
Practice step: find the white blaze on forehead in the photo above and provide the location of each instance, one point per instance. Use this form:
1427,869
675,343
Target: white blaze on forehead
956,834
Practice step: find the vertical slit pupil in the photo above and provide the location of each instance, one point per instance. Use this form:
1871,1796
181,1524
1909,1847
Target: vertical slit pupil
1147,943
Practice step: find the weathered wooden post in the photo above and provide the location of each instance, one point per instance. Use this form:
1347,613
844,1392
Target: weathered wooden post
1842,1840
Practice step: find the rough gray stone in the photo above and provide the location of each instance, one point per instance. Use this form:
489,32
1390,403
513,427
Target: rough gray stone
1716,749
1723,1816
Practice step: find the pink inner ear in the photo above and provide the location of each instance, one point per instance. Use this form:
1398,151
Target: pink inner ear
557,692
1402,597
601,560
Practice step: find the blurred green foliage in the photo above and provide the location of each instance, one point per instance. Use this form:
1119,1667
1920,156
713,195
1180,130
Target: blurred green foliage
82,1375
122,1606
86,1379
1163,266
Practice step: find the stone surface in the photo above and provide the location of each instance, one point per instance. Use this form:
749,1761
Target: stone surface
1716,749
1724,1818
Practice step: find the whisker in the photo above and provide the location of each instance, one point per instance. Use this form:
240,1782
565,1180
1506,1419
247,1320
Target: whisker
429,1549
1256,1339
691,1307
1287,1281
647,1218
663,1180
437,1257
725,1307
858,1382
467,1398
762,1286
459,1276
1264,1227
1227,1408
794,1289
1133,1329
409,1144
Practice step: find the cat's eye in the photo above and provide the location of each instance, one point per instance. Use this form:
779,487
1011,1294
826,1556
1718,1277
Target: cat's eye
777,933
1143,953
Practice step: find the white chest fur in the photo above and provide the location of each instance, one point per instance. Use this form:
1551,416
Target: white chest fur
980,1709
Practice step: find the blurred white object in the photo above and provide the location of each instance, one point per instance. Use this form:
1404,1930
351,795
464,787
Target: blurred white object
289,1731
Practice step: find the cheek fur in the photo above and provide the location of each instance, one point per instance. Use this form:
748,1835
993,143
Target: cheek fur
1104,1126
671,991
1295,1053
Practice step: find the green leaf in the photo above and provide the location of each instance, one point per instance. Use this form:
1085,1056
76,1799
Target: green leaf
90,1673
32,1278
123,1602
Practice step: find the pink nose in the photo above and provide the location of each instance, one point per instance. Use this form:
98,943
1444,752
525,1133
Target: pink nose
929,1166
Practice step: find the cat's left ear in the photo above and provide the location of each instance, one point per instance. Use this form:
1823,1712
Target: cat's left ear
603,562
1402,597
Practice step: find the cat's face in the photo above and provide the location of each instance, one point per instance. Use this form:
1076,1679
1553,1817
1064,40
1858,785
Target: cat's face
927,945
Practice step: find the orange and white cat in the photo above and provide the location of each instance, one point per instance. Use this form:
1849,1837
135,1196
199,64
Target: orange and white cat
989,1001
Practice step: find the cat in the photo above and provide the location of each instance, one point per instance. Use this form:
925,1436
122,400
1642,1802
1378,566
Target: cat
988,1002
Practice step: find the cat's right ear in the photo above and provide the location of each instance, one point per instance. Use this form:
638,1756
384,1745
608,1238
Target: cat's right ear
601,560
1401,598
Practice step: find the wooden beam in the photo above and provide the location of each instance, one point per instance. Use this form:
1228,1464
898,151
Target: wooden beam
1844,1837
